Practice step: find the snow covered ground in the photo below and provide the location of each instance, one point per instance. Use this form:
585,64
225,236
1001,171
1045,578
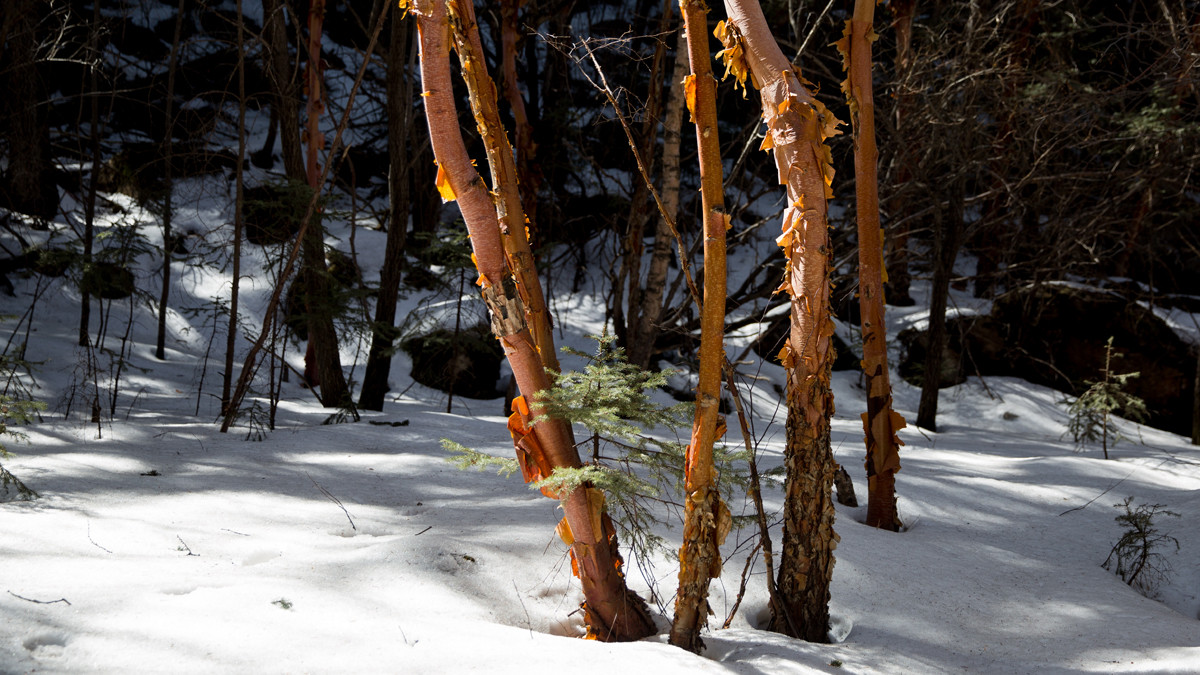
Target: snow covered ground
160,545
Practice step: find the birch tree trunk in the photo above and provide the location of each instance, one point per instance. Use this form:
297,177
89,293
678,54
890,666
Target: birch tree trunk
612,611
513,234
797,125
880,422
706,520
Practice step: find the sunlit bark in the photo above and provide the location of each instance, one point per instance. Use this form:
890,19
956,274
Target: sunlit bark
880,422
797,124
612,611
706,520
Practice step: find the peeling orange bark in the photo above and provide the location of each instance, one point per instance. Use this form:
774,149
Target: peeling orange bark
797,124
612,611
514,235
880,422
706,520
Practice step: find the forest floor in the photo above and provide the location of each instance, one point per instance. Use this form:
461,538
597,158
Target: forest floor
161,545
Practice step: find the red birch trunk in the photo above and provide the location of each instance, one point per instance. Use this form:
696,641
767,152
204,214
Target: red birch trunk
880,422
612,611
706,520
797,125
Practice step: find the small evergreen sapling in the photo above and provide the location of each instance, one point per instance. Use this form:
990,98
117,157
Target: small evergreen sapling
13,412
1092,411
642,476
1135,554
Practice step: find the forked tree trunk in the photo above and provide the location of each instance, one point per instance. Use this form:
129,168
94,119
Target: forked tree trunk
513,235
612,611
797,125
325,369
706,520
880,422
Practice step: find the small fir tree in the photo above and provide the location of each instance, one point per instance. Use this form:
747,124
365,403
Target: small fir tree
641,475
15,412
1135,554
1091,413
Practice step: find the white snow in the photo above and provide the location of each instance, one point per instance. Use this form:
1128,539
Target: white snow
160,545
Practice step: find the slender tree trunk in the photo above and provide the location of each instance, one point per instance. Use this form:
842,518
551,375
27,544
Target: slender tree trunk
880,422
322,335
797,124
399,102
637,334
706,520
169,184
660,253
282,76
503,168
231,333
899,279
529,176
612,612
946,240
89,207
1196,401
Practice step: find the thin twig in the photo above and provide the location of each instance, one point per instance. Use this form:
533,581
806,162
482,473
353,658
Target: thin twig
40,602
662,209
1089,503
333,499
89,536
186,547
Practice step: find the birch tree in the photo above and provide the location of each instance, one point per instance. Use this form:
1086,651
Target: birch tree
880,422
611,610
797,124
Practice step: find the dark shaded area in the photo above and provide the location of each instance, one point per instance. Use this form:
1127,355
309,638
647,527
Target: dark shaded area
1054,335
467,362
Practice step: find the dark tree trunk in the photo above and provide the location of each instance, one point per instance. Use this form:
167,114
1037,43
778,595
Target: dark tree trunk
29,185
282,77
399,97
325,367
947,234
169,186
231,333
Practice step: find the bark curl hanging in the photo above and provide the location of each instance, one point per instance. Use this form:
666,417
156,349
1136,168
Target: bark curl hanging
797,126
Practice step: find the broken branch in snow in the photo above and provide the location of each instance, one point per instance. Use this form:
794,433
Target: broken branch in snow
39,602
333,499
